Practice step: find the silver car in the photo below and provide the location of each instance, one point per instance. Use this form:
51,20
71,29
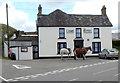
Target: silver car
108,53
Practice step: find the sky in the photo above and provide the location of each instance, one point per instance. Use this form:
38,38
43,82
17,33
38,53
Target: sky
23,13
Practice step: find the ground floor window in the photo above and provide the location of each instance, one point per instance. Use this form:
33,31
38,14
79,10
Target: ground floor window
61,45
96,46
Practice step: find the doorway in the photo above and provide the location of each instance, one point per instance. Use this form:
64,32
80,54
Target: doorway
78,43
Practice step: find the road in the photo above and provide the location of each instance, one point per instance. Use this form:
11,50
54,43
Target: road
69,70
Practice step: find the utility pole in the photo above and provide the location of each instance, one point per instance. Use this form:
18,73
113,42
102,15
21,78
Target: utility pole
7,27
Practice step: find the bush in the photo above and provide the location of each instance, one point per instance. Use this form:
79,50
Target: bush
116,44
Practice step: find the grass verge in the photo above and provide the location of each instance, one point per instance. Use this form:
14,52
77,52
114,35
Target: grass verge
4,58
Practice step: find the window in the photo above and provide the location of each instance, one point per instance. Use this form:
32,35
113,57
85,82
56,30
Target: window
24,49
96,47
61,45
96,32
78,32
61,33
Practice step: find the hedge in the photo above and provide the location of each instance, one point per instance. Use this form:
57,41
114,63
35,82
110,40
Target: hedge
116,44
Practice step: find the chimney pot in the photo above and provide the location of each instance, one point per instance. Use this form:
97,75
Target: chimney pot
103,10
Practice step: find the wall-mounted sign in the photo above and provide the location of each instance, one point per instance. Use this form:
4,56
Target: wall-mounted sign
87,30
24,49
69,31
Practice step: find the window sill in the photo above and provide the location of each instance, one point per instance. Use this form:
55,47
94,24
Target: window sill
96,38
78,37
61,38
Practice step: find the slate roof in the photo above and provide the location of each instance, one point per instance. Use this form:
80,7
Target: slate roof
19,43
59,18
34,39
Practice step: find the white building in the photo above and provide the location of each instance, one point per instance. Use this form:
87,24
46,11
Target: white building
23,50
24,47
59,29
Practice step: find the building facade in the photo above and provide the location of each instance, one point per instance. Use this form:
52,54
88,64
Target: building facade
61,30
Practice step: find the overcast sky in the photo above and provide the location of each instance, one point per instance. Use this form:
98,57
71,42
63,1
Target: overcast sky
23,13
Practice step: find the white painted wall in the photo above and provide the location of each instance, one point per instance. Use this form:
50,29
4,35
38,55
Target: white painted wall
17,50
48,38
5,49
26,55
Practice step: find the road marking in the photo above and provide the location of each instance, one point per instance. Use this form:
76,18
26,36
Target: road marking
104,71
3,78
68,69
81,66
90,65
99,81
19,78
47,73
85,66
74,79
62,70
117,74
21,66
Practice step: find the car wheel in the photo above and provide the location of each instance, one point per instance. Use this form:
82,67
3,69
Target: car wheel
116,58
99,57
105,57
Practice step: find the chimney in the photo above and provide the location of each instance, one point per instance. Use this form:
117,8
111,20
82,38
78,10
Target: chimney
39,10
103,10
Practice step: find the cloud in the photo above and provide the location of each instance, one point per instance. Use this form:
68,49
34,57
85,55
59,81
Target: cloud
17,18
94,7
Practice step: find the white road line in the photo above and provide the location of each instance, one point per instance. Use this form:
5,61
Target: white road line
103,62
47,73
3,78
69,69
90,65
21,66
104,71
85,66
99,81
75,68
19,78
81,66
74,79
117,74
62,70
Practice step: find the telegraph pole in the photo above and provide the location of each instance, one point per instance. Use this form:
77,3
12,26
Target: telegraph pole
7,27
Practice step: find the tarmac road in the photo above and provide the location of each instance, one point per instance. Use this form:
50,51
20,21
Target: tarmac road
91,69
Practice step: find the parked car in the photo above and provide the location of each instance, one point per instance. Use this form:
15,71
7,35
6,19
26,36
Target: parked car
13,56
109,53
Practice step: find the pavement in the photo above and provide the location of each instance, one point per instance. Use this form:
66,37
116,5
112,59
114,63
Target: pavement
69,70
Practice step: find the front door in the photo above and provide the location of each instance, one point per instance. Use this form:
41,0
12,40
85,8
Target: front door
78,43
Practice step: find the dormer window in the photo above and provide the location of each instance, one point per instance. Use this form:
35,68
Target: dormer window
61,33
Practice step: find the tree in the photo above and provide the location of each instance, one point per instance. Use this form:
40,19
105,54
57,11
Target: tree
3,32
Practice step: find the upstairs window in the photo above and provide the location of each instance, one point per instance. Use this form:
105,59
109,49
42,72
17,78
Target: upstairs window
61,33
78,33
96,33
